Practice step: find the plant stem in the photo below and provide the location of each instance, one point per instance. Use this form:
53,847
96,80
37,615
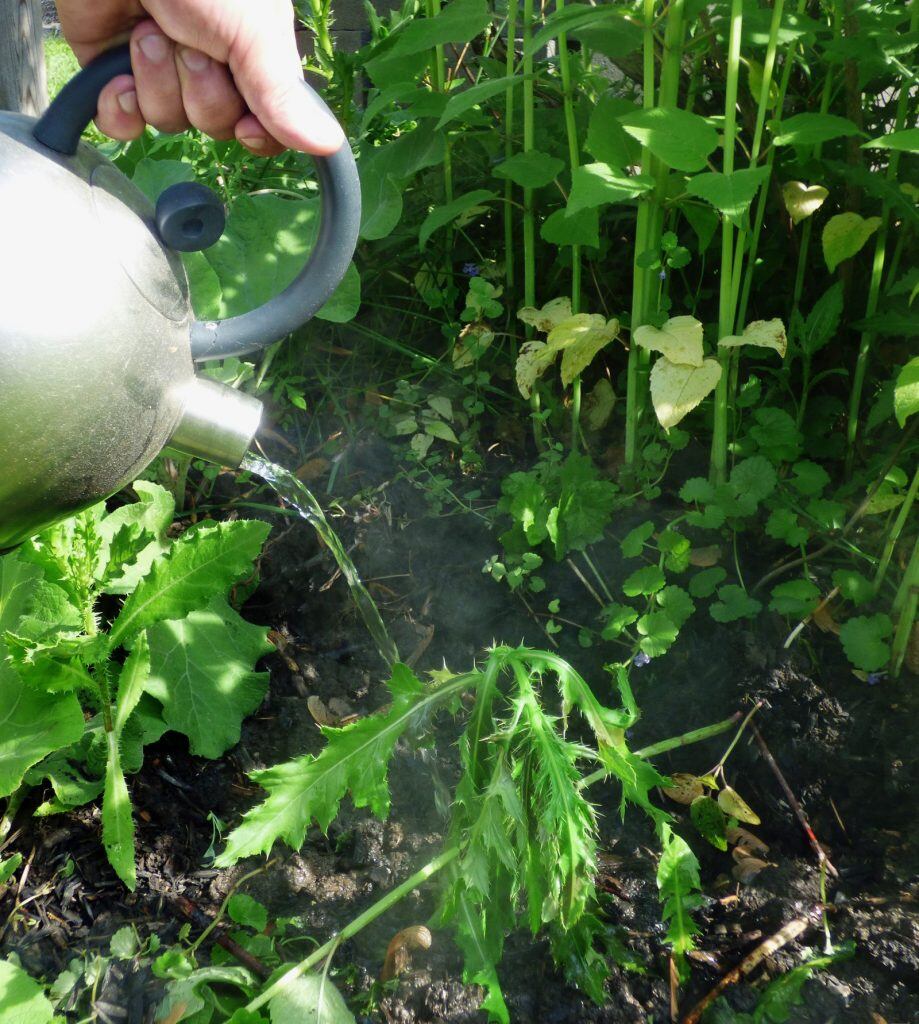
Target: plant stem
877,271
509,145
905,605
432,9
529,219
353,927
894,534
719,456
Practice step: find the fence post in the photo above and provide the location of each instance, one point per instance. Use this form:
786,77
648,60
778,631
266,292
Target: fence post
23,86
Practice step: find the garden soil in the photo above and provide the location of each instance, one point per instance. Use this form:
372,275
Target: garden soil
849,752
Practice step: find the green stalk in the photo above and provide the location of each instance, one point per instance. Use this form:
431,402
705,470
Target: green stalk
719,457
905,605
574,160
438,65
509,145
529,219
353,927
894,535
877,271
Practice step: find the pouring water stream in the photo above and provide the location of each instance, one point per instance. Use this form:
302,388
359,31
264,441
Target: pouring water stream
298,495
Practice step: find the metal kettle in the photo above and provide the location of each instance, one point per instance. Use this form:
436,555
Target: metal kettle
97,337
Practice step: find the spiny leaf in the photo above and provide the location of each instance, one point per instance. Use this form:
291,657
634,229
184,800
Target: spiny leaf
117,823
679,885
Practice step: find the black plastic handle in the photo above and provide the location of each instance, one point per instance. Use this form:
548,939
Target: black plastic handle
60,129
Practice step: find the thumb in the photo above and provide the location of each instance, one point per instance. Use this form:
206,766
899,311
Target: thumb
267,71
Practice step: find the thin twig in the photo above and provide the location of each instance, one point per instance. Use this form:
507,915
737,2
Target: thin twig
202,920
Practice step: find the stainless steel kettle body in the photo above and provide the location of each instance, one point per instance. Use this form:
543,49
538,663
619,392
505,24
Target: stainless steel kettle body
97,337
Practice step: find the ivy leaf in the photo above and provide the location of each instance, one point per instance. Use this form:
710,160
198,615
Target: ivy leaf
704,583
853,586
906,392
813,129
633,543
201,672
644,582
679,340
783,524
676,389
530,170
465,205
594,185
797,598
802,201
730,194
844,235
203,563
733,603
658,633
864,639
710,820
22,1000
678,138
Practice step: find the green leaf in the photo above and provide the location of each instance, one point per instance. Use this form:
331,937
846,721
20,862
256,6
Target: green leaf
581,228
644,582
530,170
675,548
607,140
710,820
679,884
906,141
465,205
864,639
575,19
797,598
594,185
437,428
906,391
201,672
733,603
813,129
310,999
809,478
245,910
704,222
776,434
633,543
19,583
355,760
465,99
32,725
697,489
617,617
131,682
755,477
22,1000
853,586
783,524
154,176
676,603
731,194
117,822
658,633
844,235
704,583
458,22
680,139
8,867
823,320
203,563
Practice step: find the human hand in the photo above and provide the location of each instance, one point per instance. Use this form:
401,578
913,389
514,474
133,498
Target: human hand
227,67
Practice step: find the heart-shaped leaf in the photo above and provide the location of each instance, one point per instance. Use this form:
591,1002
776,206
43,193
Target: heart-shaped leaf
676,390
762,333
551,314
534,359
679,340
802,201
844,235
580,338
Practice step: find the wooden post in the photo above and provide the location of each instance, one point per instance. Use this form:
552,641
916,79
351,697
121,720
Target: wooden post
23,86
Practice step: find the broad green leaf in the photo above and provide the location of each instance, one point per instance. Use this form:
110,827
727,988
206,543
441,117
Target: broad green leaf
892,323
802,201
783,524
458,22
616,617
462,100
8,867
633,543
131,682
676,603
823,320
679,884
607,140
730,194
710,820
776,434
581,228
677,389
906,141
704,583
755,477
679,340
465,205
245,910
154,176
201,671
117,823
733,603
146,520
551,314
22,1000
579,339
813,129
797,598
906,392
437,428
704,222
644,582
853,586
203,563
381,203
530,170
680,139
32,725
594,185
865,640
844,235
809,478
762,334
657,632
19,582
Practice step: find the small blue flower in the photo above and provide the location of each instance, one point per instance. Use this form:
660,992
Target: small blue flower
875,677
471,269
641,659
662,276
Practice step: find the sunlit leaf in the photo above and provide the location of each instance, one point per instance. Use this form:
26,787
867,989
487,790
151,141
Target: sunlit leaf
682,140
551,314
530,170
676,389
761,333
864,638
684,788
599,184
466,205
811,129
734,806
844,236
730,194
710,820
905,141
906,392
802,201
679,340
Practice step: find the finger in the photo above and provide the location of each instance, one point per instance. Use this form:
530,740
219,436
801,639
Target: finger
119,115
209,96
251,133
159,93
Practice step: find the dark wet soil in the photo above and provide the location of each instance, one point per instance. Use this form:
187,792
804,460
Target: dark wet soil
849,752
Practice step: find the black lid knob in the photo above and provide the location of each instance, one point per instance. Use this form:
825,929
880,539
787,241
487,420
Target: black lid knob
189,217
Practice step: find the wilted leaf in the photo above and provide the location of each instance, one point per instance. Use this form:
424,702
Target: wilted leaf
679,340
844,235
551,314
313,469
598,406
802,201
705,557
734,806
399,950
581,338
534,359
762,333
684,788
473,341
738,836
747,869
320,713
676,390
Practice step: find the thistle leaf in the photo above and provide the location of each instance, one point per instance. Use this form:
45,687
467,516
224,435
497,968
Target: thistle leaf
117,823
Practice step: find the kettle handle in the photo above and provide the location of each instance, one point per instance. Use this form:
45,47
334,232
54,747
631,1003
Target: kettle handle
75,106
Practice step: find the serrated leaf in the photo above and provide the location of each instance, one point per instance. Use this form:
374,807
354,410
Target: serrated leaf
22,1000
676,390
844,235
761,333
633,543
682,140
644,582
607,140
783,524
245,910
530,170
131,682
755,477
201,564
658,632
864,639
679,340
679,884
809,478
853,586
616,618
117,822
201,671
797,598
730,194
734,806
704,583
802,201
733,603
710,820
677,604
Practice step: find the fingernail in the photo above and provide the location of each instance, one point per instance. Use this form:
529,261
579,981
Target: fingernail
128,101
323,128
256,142
195,60
154,47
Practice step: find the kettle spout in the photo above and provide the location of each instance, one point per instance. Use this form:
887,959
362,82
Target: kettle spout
217,424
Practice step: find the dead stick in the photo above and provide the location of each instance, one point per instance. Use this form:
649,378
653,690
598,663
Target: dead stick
793,803
202,920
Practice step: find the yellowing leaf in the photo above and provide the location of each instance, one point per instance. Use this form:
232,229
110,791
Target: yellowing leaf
844,235
762,333
684,788
534,359
551,314
585,343
598,406
734,805
738,836
802,201
474,339
680,340
676,390
747,869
